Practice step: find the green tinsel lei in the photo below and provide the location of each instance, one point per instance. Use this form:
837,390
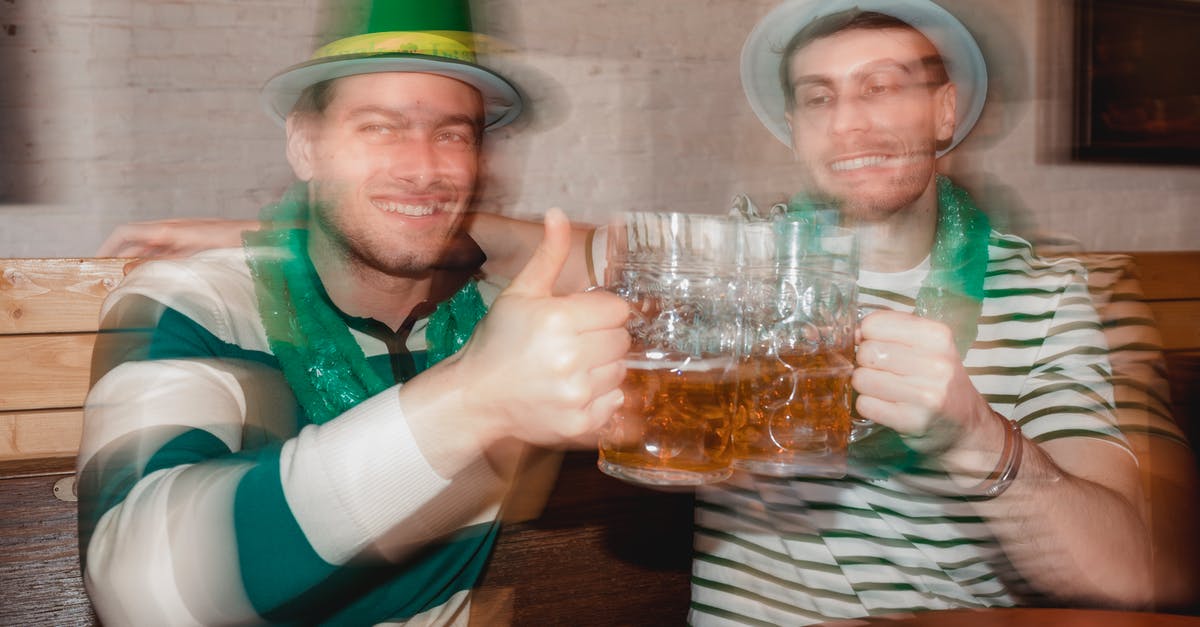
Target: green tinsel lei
952,293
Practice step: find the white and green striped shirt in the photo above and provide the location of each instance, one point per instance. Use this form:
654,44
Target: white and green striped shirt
798,551
207,496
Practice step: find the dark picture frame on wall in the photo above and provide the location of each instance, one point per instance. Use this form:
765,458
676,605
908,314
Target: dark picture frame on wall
1137,92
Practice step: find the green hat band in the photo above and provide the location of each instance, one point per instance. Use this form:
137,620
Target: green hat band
426,36
447,44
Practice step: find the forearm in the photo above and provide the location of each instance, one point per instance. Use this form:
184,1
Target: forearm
1172,496
220,533
1073,522
509,244
1071,538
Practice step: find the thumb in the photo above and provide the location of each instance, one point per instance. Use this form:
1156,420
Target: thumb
538,276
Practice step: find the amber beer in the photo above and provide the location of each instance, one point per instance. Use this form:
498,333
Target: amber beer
675,425
793,414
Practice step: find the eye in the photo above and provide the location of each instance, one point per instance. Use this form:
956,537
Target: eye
878,90
881,86
375,129
455,138
816,100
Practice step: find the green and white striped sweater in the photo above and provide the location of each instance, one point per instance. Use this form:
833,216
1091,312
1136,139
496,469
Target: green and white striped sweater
798,551
207,497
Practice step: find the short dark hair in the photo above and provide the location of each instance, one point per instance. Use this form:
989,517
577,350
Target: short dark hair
315,98
852,19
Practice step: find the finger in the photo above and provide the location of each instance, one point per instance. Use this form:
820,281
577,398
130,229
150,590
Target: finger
607,378
122,247
604,346
538,276
588,422
908,329
111,246
894,388
902,418
601,410
126,250
891,357
140,248
596,310
129,267
143,252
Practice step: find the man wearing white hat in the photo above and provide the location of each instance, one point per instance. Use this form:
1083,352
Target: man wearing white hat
1000,477
319,427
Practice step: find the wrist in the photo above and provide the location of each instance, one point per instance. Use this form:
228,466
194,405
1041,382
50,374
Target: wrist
449,430
984,472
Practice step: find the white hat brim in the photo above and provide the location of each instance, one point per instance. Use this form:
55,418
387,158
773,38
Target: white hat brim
763,53
502,102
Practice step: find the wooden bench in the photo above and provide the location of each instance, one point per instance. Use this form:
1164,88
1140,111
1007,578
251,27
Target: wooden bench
49,312
1170,285
601,553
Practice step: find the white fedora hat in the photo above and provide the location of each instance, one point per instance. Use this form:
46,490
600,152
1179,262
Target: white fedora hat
763,53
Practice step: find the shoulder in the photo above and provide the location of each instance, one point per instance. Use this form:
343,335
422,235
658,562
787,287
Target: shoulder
1013,263
213,288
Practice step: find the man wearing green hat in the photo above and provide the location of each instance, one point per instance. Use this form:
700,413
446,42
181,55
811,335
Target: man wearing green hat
320,425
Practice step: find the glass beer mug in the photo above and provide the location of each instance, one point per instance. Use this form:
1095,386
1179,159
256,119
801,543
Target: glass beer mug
678,273
798,304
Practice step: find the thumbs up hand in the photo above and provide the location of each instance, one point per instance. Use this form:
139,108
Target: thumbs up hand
544,369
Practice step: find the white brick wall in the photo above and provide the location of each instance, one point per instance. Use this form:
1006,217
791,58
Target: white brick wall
118,110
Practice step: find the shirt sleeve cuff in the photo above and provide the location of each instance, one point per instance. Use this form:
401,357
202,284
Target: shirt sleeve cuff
356,478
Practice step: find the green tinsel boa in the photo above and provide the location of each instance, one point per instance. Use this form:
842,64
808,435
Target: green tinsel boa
323,364
952,293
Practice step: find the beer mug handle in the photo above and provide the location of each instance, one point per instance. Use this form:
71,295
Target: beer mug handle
860,427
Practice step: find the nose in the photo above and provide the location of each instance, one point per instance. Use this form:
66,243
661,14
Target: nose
414,161
849,114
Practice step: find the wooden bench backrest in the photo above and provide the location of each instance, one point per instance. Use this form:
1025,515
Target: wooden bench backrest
1170,283
602,552
49,313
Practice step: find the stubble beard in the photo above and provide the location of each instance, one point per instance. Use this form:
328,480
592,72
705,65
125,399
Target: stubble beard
363,253
901,191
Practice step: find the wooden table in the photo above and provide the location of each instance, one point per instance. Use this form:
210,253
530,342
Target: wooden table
1022,617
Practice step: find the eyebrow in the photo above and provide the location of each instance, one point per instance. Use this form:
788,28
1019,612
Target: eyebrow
439,120
873,66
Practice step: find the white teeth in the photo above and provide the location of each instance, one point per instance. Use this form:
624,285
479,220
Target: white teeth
854,164
408,210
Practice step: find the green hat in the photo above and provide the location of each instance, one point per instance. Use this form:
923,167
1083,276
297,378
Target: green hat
430,36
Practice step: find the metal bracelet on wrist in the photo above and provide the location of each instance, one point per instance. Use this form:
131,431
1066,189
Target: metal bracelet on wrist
1010,462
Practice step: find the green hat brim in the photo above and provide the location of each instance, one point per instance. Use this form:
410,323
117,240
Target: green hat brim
762,55
502,102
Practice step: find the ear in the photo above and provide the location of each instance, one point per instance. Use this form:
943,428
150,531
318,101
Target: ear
945,116
300,146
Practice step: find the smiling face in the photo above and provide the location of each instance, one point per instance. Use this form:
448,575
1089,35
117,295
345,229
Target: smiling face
867,118
391,164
